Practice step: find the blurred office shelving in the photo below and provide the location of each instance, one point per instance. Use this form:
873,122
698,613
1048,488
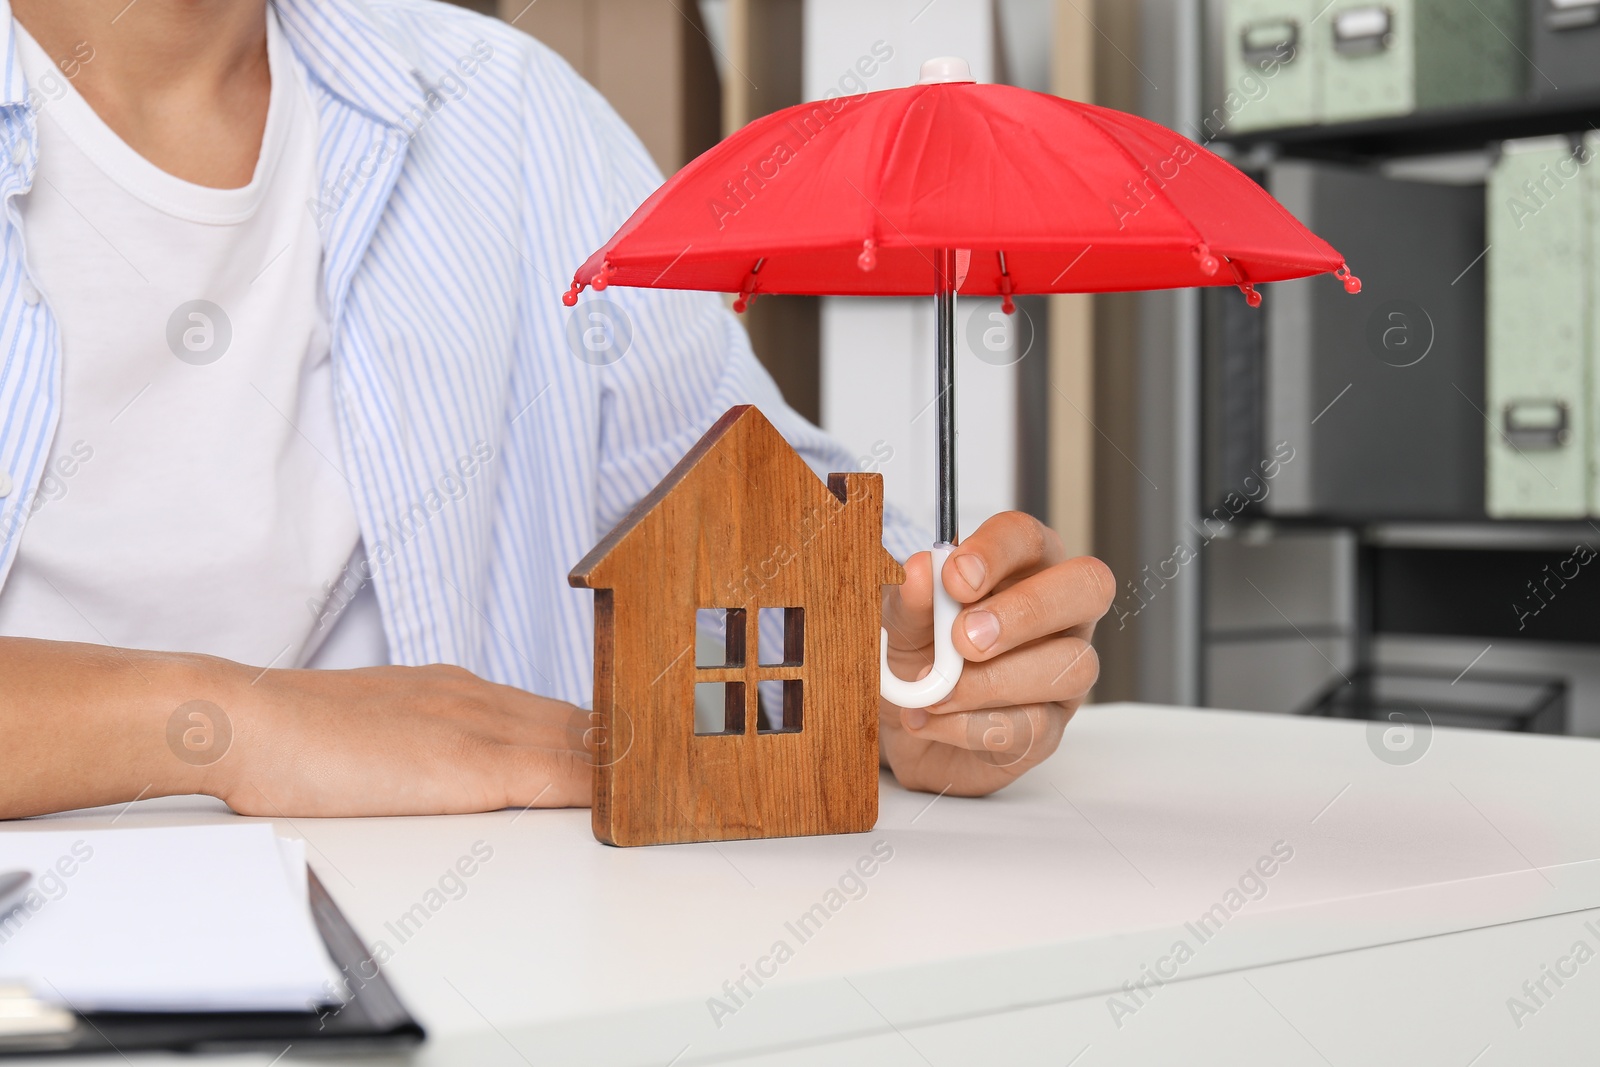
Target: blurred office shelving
1376,557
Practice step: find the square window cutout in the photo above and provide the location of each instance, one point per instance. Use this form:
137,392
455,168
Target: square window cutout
782,639
718,708
782,710
719,637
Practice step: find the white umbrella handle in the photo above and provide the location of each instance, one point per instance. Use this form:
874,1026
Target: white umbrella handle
947,662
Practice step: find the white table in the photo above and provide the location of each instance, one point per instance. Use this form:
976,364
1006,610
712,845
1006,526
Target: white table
1418,899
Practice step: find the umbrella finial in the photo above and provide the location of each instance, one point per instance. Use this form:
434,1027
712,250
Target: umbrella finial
945,70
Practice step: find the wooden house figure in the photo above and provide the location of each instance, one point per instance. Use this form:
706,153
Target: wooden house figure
740,525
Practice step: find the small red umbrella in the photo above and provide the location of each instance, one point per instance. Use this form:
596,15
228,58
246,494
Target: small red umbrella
951,187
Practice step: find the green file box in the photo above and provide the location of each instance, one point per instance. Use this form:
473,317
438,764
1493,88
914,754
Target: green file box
1269,72
1564,48
1399,56
1540,315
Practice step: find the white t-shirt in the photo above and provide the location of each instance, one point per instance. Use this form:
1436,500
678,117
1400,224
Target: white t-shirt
195,498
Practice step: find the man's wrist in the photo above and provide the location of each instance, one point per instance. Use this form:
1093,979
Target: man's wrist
204,704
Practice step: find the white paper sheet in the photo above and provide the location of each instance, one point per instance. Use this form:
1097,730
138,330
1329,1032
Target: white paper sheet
203,918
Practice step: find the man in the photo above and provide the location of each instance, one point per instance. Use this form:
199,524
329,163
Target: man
287,384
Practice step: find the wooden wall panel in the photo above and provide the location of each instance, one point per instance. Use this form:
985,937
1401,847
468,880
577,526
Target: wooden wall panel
764,53
1072,433
1117,482
651,59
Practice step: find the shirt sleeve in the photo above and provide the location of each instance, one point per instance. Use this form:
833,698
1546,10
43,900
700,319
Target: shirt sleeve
678,360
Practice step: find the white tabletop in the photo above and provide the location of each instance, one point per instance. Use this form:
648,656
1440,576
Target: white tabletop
1046,898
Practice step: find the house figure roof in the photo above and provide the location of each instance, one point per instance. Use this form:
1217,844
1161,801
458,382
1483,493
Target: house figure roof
741,445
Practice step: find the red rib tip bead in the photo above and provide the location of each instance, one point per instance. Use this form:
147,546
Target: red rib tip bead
1251,297
868,259
1209,264
599,282
1006,305
1352,284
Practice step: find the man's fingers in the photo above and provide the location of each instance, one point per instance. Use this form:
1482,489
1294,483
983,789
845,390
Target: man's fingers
545,777
1008,545
1006,737
1068,595
1060,669
908,608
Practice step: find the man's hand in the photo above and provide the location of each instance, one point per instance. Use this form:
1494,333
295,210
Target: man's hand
433,740
1030,613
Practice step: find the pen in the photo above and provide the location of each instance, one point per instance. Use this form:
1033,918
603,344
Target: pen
13,887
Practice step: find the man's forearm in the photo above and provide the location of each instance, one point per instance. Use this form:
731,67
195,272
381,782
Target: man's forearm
82,725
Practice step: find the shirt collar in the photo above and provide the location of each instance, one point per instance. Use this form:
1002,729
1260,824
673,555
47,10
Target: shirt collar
13,85
361,58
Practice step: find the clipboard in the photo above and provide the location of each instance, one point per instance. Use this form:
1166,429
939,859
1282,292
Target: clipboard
372,1019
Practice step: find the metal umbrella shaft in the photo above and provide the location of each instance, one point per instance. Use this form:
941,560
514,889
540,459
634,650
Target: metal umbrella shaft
945,670
945,386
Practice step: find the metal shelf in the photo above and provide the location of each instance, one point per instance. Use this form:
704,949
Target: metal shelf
1515,535
1427,132
1504,534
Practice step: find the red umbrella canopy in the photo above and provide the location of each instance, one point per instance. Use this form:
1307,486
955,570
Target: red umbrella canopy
853,195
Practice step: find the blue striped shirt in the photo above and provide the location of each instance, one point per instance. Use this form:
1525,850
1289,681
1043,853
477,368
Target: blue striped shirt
492,435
